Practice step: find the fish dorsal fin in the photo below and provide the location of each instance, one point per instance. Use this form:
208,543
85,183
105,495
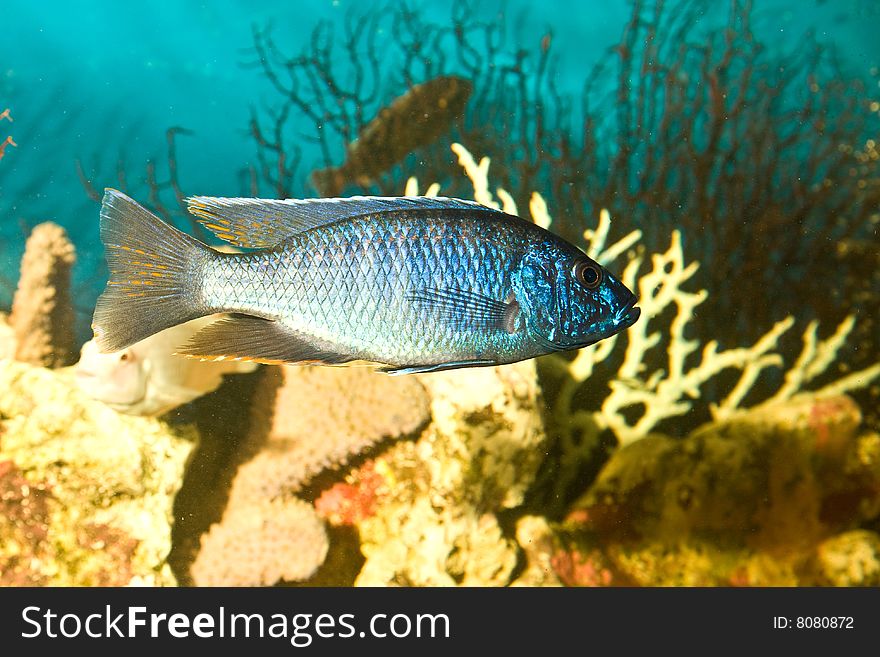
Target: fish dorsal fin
256,223
248,338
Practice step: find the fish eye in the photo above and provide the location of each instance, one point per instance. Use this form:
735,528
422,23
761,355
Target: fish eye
588,274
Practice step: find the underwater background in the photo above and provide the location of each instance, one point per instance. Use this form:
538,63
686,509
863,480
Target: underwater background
723,157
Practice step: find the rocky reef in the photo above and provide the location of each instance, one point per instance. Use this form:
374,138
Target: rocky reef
305,422
345,476
381,480
86,494
428,511
781,495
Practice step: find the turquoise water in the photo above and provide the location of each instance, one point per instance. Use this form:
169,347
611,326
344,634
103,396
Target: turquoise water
100,83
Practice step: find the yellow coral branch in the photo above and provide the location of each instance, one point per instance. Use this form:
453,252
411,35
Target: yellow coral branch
855,381
538,210
412,188
478,174
508,205
815,358
596,237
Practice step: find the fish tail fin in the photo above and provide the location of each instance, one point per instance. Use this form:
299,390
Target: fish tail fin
154,274
329,182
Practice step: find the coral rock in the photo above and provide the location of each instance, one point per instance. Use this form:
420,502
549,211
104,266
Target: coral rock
850,559
535,536
425,509
260,544
781,475
308,419
42,312
351,501
86,494
437,525
740,502
575,568
24,525
305,420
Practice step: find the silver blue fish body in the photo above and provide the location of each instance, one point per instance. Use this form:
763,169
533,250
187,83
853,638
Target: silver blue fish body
416,284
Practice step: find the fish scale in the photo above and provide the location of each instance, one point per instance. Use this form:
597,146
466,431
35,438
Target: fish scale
329,295
430,258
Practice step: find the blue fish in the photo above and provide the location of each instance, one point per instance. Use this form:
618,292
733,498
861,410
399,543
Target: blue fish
415,284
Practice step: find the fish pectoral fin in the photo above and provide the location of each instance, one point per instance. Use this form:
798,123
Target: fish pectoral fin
439,367
248,338
470,309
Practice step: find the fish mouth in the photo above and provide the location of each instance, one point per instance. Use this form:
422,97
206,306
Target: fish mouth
628,314
85,377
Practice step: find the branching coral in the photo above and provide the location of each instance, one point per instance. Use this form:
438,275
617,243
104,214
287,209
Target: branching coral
663,392
42,311
330,89
745,148
165,195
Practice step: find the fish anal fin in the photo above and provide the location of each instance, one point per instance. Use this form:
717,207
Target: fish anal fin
248,338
